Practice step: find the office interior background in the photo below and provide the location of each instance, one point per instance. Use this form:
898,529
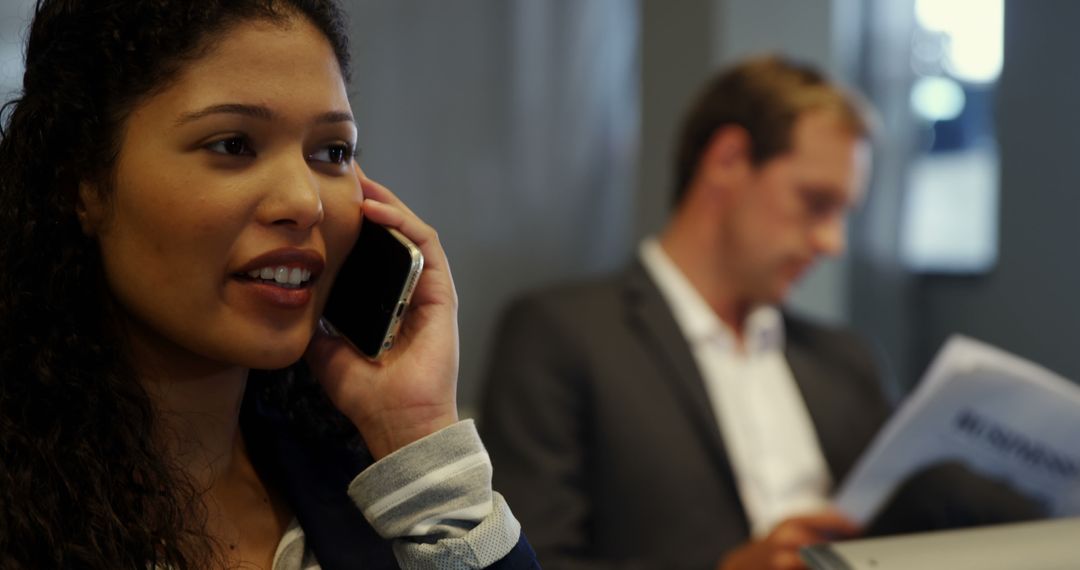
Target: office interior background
536,136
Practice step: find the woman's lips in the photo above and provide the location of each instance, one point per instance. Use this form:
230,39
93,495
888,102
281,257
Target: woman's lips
288,257
277,295
282,277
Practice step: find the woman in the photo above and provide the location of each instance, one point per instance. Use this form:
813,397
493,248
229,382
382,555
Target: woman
163,156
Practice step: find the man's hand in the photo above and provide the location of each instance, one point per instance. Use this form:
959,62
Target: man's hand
780,549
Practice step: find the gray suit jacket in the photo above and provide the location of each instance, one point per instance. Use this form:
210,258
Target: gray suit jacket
602,437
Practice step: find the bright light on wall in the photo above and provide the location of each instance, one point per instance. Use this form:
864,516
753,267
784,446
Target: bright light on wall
937,98
976,35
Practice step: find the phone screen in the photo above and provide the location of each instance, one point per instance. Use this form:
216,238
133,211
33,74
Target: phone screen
373,287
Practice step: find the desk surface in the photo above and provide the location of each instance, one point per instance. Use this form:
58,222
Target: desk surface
1041,545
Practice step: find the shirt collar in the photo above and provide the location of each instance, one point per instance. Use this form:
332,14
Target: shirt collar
764,325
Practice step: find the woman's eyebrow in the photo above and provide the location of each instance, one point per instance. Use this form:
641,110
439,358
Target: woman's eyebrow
255,111
258,112
335,117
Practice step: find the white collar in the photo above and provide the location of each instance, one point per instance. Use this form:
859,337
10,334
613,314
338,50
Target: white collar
764,326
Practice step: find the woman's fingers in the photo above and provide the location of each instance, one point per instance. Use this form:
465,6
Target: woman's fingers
334,361
383,207
393,216
411,392
378,192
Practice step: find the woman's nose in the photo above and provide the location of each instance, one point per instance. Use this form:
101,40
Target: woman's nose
293,198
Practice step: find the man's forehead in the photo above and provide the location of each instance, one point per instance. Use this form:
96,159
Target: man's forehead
821,137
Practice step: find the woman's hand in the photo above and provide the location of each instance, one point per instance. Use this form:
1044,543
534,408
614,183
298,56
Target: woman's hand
411,391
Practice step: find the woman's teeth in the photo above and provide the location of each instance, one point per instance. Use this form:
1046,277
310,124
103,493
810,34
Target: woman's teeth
282,275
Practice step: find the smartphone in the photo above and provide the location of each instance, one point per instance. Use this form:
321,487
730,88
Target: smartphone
373,287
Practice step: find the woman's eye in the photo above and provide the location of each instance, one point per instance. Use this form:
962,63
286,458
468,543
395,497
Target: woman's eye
333,154
236,146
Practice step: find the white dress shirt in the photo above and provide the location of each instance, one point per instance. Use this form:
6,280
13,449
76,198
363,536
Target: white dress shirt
771,443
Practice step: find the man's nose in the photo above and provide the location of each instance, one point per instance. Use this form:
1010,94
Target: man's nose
294,198
830,236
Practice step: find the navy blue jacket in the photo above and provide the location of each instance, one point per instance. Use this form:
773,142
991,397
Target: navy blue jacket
313,477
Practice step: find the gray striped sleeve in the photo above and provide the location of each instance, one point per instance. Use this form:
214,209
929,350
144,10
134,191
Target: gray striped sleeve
434,498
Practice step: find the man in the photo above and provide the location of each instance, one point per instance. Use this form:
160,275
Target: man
672,416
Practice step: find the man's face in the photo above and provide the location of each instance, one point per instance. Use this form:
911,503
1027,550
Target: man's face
792,209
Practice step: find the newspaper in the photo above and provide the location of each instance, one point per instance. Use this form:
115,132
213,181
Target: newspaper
1003,416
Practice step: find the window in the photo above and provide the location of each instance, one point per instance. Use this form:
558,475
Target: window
950,210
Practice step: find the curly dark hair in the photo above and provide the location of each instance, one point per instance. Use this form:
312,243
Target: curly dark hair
83,480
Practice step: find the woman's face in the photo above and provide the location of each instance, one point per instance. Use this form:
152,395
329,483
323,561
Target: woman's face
234,201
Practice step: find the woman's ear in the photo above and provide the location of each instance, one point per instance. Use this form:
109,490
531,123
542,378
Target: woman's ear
90,209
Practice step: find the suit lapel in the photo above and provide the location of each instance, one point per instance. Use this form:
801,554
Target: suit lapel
809,378
827,396
313,476
651,317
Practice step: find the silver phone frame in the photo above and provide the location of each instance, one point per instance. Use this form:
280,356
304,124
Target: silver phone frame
416,266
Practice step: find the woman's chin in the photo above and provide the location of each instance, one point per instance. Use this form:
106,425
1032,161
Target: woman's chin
274,359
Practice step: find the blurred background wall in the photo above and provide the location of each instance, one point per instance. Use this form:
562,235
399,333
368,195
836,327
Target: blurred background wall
1028,301
536,136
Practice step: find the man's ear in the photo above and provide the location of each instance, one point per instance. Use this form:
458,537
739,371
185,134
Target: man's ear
726,158
90,209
